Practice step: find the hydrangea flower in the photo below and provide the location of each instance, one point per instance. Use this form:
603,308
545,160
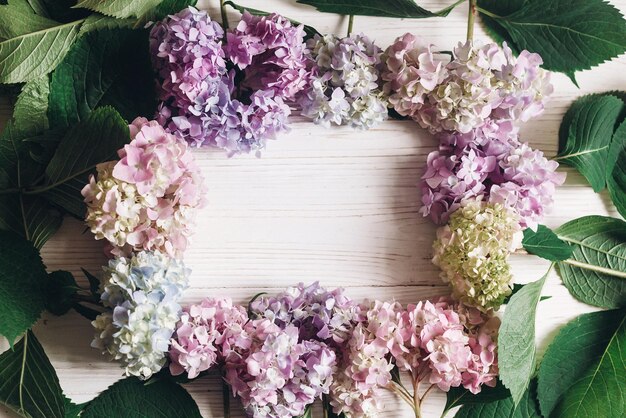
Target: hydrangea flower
411,71
479,165
481,84
143,293
447,343
197,342
147,200
472,252
201,101
319,314
273,373
345,86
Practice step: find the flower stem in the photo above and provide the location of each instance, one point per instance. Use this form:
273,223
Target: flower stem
350,24
224,15
470,20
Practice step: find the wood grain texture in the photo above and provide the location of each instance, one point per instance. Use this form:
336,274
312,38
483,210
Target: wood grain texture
338,206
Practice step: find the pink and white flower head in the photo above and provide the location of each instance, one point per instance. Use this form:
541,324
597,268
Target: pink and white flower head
276,375
197,344
147,200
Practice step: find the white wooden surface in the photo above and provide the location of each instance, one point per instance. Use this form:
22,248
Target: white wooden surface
337,205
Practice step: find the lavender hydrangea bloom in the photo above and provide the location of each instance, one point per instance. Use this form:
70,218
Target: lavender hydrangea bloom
482,167
345,86
319,314
201,101
143,293
273,373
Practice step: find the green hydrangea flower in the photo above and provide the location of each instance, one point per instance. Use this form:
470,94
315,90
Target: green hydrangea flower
472,252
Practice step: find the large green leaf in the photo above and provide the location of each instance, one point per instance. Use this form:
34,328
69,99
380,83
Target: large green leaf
28,382
570,35
97,21
105,67
458,396
87,144
616,175
504,408
132,398
17,18
22,285
585,339
596,272
17,146
546,244
31,217
516,339
389,8
586,133
601,390
31,55
119,8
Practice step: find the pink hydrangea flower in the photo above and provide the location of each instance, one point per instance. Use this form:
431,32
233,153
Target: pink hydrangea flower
275,374
197,342
147,200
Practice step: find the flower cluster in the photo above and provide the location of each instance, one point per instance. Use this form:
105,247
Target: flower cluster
142,293
345,84
228,94
468,166
278,375
478,86
472,252
319,314
198,342
147,200
450,344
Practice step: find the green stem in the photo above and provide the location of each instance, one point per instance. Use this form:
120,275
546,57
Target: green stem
21,388
487,13
350,24
471,16
224,15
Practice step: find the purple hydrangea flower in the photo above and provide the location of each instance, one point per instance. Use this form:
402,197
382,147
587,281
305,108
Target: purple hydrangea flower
473,166
202,103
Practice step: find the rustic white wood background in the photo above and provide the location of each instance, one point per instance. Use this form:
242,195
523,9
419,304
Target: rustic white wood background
335,205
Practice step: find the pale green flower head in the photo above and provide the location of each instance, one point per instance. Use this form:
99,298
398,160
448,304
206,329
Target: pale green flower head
472,252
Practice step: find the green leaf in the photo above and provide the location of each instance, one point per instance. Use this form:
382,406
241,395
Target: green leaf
516,288
458,396
585,136
72,410
94,283
22,285
17,18
616,171
31,217
164,9
389,8
97,21
570,35
132,398
119,8
17,142
308,413
309,30
601,390
546,244
28,382
504,408
585,339
596,272
34,54
91,142
516,339
60,290
105,67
